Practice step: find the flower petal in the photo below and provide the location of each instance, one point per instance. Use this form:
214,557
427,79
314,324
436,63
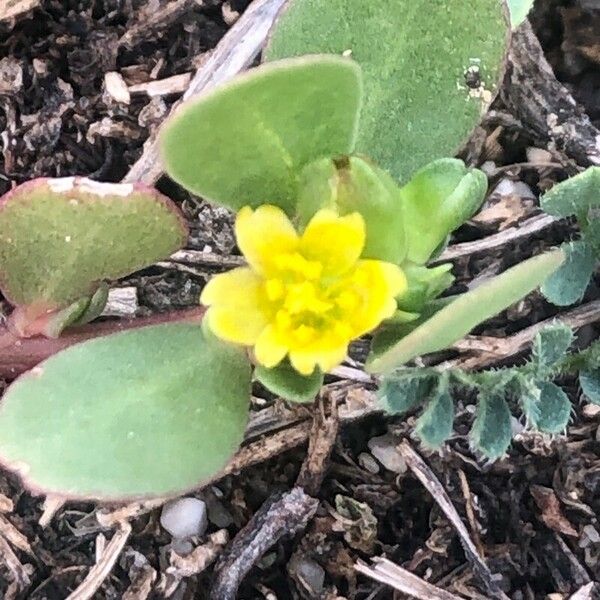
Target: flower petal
335,241
378,283
270,349
264,234
325,355
238,308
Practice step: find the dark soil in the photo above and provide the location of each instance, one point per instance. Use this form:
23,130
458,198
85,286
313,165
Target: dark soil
535,512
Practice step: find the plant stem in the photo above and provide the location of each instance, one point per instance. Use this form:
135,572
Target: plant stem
18,355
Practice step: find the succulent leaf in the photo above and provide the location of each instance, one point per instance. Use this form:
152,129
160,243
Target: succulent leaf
454,321
59,238
491,432
430,68
245,142
438,199
148,412
287,383
519,9
568,284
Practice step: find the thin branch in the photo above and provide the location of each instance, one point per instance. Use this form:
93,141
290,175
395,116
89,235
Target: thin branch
23,354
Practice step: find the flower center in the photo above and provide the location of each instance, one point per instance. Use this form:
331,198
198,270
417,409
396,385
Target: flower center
306,303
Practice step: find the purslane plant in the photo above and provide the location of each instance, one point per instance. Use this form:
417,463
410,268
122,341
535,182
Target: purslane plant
336,248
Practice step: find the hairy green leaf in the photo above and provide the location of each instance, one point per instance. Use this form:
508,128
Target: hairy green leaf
458,318
431,68
491,432
568,284
59,238
554,408
551,345
590,384
287,383
245,142
434,426
403,390
575,196
148,412
438,199
353,184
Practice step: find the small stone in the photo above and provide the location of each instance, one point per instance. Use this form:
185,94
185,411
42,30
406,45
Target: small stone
385,450
590,411
311,574
367,462
184,518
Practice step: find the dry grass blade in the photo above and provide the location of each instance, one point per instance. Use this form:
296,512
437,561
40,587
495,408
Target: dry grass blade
14,536
511,235
101,570
404,581
587,592
234,53
426,476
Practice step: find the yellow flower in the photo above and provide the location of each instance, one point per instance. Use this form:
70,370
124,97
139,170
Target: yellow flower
303,296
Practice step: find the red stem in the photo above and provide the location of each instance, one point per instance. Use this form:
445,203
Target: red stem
18,355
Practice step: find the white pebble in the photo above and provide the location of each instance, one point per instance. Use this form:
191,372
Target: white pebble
184,518
385,450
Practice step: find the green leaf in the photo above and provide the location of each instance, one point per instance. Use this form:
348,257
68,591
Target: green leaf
568,284
491,432
438,199
519,9
245,142
424,284
590,384
60,237
574,196
434,426
403,390
287,383
554,408
529,398
414,55
454,321
353,184
149,412
550,345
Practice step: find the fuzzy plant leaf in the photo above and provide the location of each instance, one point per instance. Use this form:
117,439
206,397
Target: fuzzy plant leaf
491,432
554,409
59,238
550,346
438,199
403,390
353,184
287,383
245,142
519,9
148,412
455,320
590,384
434,426
569,283
419,58
574,196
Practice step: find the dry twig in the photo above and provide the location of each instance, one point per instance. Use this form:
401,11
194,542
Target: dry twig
385,571
426,476
100,571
